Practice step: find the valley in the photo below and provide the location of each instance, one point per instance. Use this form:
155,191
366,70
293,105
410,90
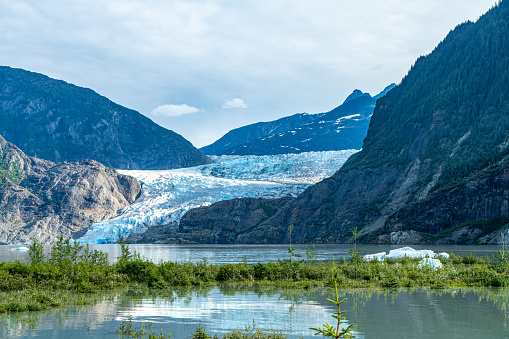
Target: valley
167,195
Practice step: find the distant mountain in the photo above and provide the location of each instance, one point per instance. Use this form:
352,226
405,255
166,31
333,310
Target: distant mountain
245,134
434,166
342,128
57,121
41,200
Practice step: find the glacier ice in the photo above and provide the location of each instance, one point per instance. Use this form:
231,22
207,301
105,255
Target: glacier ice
430,263
410,253
167,195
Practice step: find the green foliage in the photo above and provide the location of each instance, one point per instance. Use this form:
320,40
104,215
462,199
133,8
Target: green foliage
291,250
460,91
501,258
65,253
336,332
143,330
89,271
200,333
36,253
9,170
94,257
311,253
252,332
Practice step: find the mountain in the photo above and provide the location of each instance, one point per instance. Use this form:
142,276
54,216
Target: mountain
434,166
242,135
41,200
57,121
342,128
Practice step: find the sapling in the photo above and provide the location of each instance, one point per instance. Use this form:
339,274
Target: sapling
336,332
291,249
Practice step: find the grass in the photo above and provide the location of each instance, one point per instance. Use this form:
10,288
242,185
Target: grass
71,272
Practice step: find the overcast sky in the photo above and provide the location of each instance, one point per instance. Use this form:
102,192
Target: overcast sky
201,68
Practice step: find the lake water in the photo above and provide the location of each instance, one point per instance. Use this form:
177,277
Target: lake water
222,254
458,313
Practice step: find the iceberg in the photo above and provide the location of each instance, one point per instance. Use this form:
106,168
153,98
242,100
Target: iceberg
430,263
167,195
410,253
428,256
377,256
22,249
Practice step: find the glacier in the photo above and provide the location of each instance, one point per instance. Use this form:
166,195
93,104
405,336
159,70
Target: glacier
167,195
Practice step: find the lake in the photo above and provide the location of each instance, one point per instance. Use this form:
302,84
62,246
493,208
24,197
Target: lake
421,313
222,254
458,313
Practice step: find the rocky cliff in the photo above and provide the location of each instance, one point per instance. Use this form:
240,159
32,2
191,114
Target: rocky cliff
41,200
53,120
433,167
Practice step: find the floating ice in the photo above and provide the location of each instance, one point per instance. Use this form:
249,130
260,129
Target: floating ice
430,263
22,248
410,253
167,195
406,252
377,256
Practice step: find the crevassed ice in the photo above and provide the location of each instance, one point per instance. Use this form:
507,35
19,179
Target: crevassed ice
167,195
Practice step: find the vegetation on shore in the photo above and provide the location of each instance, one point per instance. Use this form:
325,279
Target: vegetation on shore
71,268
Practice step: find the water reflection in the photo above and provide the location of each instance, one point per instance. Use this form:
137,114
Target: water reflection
419,313
221,254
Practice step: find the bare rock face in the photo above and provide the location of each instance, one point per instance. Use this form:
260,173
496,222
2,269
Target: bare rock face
225,222
41,200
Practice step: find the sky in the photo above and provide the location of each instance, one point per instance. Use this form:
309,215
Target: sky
201,68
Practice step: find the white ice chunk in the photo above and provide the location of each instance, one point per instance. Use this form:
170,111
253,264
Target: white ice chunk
410,253
22,248
430,263
376,256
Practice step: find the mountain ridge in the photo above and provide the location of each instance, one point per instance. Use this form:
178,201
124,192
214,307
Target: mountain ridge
436,152
58,121
342,128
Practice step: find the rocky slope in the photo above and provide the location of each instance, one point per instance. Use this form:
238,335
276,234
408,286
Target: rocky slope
433,167
53,120
41,200
340,129
242,135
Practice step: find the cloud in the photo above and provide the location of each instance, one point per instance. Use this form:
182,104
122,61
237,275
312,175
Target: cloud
173,110
234,103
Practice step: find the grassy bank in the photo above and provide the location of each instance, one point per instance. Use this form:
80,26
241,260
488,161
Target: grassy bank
72,271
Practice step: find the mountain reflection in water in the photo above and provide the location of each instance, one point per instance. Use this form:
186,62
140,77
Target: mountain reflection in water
456,313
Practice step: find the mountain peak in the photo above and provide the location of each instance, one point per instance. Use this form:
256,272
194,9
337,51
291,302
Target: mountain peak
355,94
58,121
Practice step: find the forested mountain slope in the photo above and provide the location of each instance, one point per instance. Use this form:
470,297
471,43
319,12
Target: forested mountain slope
435,163
54,120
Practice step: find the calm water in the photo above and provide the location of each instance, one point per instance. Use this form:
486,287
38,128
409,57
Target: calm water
461,313
253,253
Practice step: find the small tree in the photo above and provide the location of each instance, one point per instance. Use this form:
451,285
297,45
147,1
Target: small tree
291,249
336,332
36,253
